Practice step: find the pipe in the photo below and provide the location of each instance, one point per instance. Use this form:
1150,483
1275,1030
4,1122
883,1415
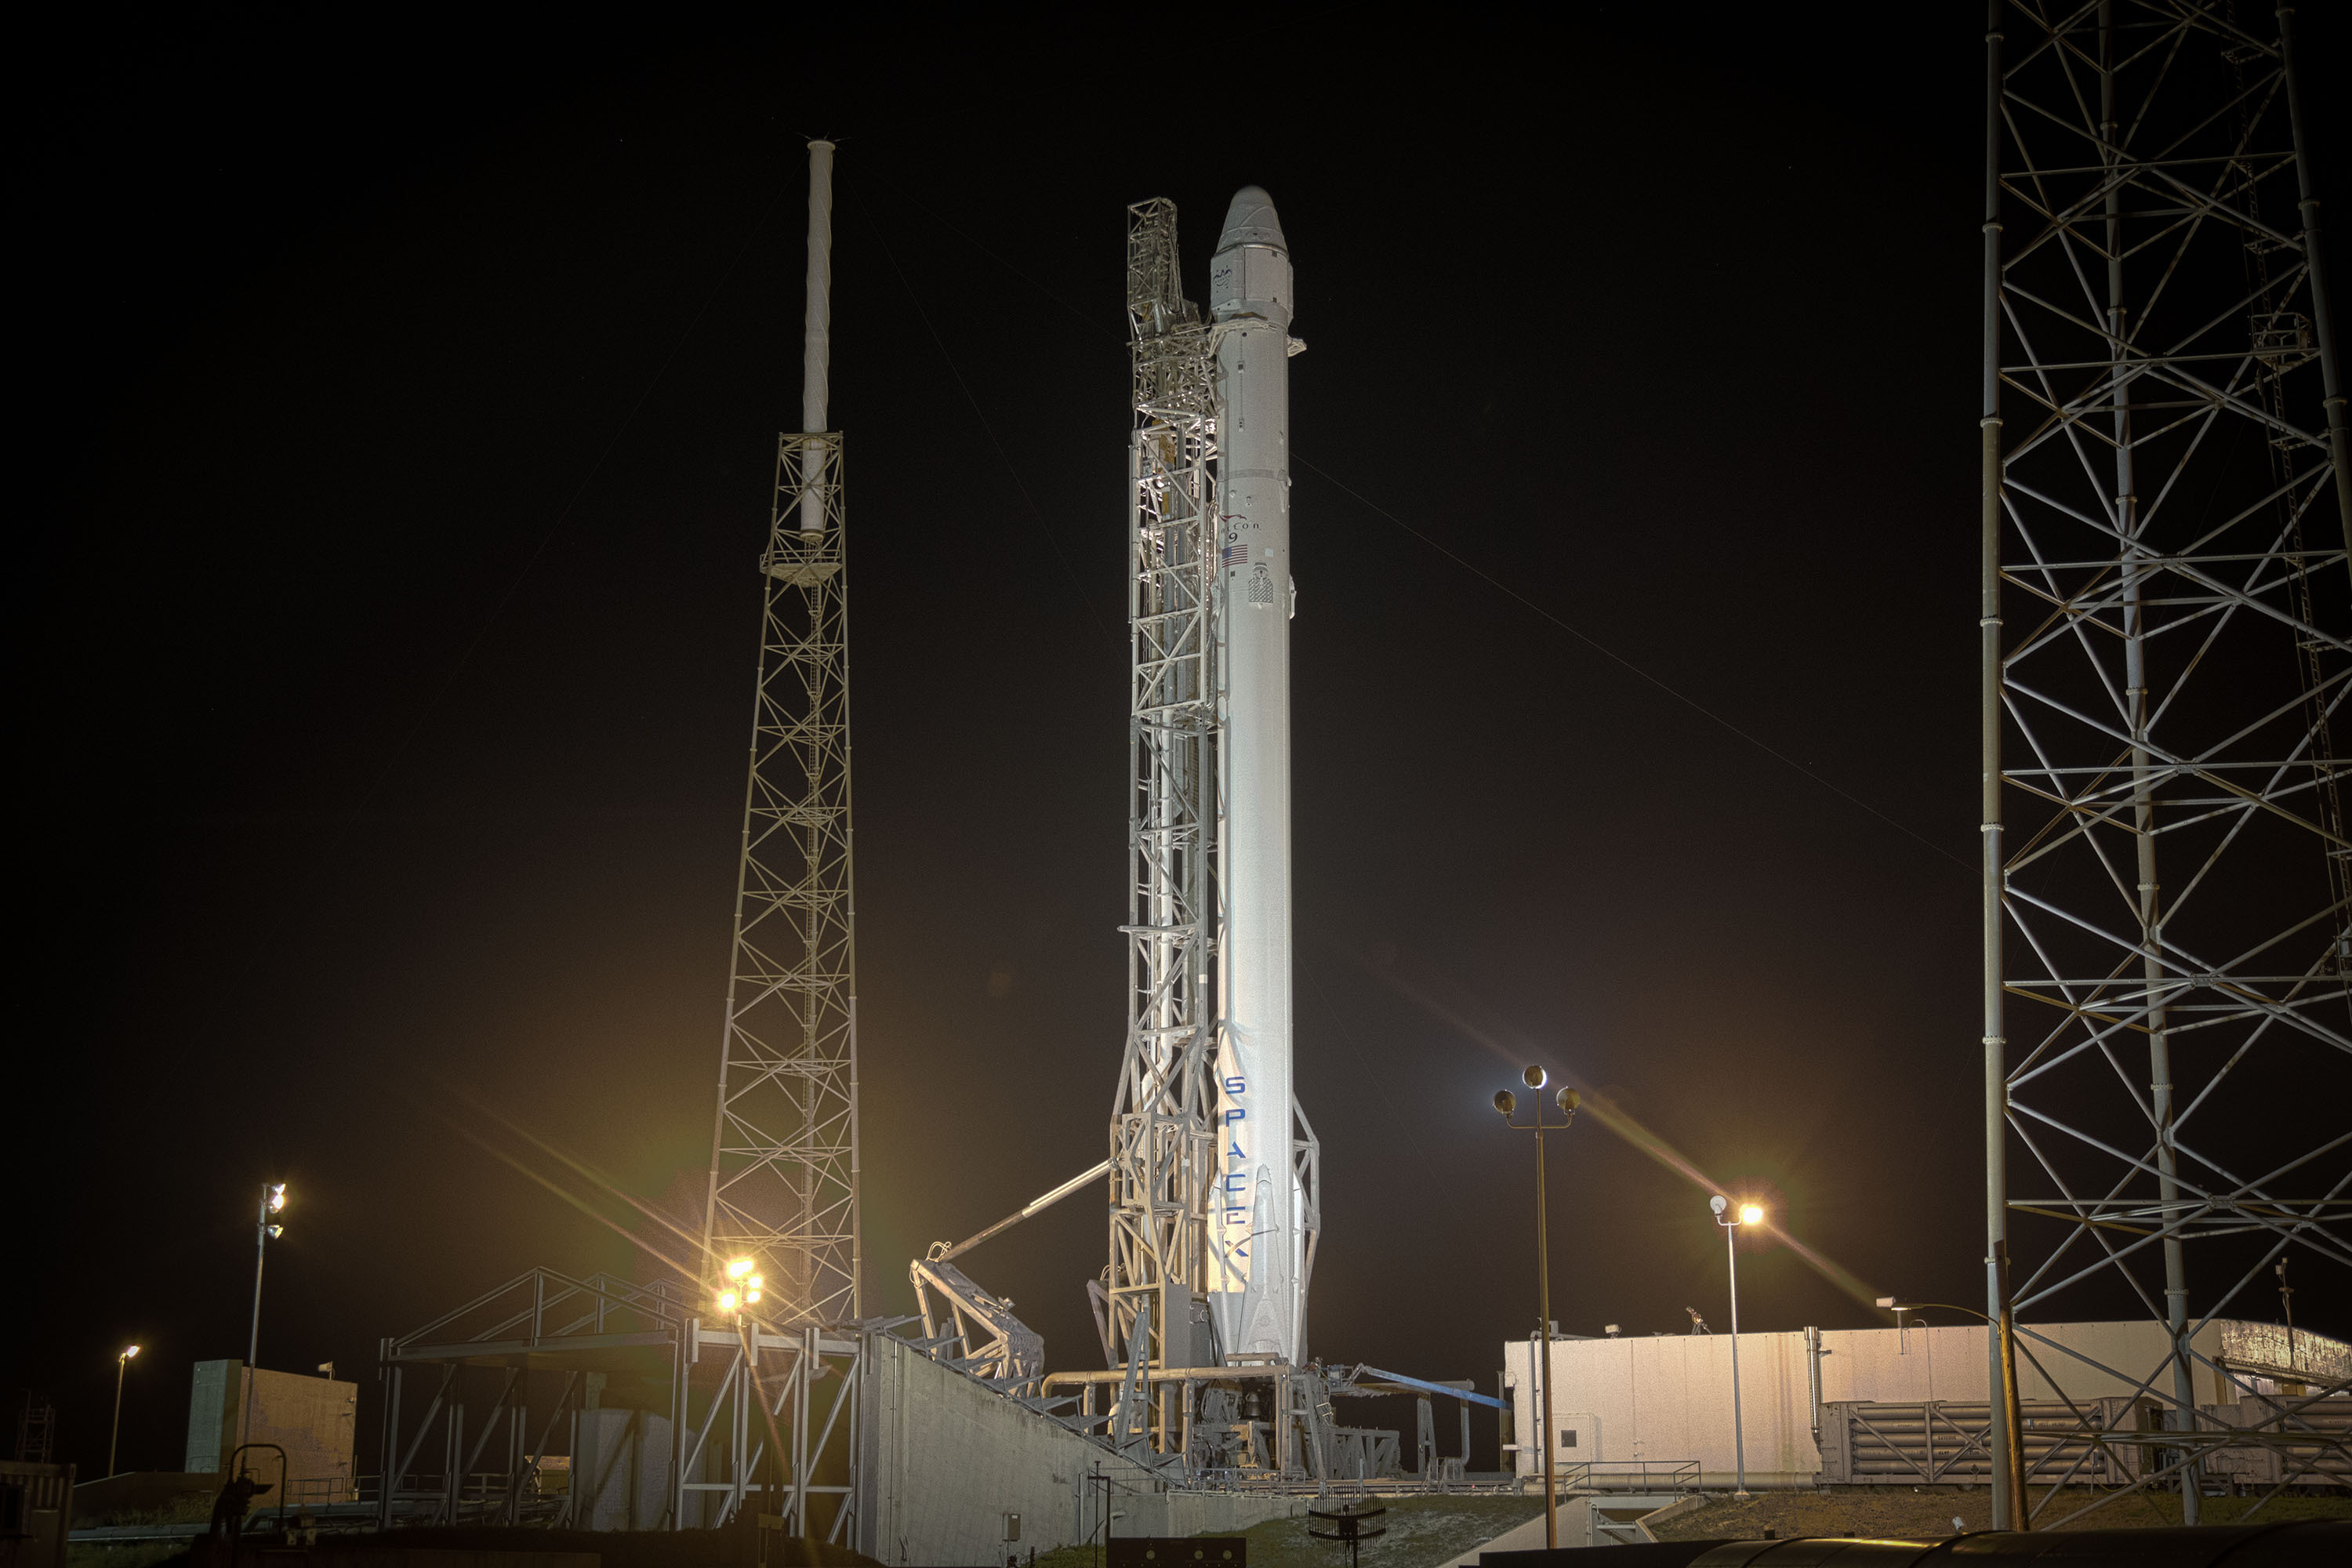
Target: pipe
940,1252
2008,1497
1813,1380
816,340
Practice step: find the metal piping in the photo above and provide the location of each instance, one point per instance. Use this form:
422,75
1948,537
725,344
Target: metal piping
942,1252
816,340
2008,1495
1813,1354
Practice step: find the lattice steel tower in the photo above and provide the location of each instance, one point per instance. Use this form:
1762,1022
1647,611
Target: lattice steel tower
2168,970
1163,1154
783,1172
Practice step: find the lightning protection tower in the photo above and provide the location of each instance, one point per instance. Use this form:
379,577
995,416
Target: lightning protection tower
2168,983
784,1164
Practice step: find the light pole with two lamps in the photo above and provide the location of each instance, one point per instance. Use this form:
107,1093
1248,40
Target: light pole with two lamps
1749,1214
122,1366
1507,1102
273,1201
739,1292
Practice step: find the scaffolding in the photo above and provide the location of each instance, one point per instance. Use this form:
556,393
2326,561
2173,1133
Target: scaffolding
2168,964
596,1404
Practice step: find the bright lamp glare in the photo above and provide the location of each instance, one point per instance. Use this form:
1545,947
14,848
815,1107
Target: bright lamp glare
131,1352
1751,1214
740,1267
276,1197
727,1301
750,1296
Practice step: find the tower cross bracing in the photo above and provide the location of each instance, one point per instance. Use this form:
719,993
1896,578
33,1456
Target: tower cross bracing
1163,1154
784,1181
2166,645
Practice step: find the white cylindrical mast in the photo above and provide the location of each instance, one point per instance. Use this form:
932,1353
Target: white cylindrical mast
1259,1230
816,340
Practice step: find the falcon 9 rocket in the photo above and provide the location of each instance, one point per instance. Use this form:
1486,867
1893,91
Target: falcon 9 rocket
1259,1230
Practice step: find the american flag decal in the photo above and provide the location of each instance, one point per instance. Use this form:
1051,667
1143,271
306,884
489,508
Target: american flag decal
1236,554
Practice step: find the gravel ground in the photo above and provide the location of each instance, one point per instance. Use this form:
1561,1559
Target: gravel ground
1423,1531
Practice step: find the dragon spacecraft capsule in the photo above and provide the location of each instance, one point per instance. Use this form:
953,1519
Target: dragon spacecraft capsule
1260,1236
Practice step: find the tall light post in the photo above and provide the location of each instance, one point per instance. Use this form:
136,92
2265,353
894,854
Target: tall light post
739,1293
2002,1332
273,1201
1749,1215
1507,1102
122,1366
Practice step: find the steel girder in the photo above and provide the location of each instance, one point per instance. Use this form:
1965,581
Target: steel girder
726,1414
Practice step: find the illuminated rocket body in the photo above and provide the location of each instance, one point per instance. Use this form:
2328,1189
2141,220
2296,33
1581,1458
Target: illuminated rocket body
1260,1302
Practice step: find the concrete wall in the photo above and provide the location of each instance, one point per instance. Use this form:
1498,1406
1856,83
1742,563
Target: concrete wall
314,1420
1668,1397
945,1459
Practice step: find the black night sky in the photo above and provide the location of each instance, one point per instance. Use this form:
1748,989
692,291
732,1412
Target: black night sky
398,396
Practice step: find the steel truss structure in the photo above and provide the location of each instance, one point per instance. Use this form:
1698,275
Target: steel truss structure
784,1179
658,1420
2168,958
1163,1143
1152,1305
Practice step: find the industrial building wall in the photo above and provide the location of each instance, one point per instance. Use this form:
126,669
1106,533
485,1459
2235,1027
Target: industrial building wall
314,1420
946,1458
1667,1398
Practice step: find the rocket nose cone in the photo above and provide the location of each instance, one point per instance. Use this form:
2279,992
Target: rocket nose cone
1251,221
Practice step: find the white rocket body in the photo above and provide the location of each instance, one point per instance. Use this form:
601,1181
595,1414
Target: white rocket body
1256,1297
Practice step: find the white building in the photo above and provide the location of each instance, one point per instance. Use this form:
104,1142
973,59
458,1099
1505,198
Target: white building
1666,1401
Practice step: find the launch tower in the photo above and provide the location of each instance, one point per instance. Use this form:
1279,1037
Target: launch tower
1214,1174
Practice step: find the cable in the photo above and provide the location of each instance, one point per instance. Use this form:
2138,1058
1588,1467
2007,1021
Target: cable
1628,665
1037,513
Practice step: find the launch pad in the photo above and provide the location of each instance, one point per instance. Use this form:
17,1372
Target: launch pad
765,1386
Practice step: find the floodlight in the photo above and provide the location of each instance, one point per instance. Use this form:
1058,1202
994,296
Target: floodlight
1505,1102
1535,1078
751,1295
275,1231
1886,1301
276,1197
1749,1214
1567,1099
727,1301
754,1282
131,1352
1718,1203
740,1267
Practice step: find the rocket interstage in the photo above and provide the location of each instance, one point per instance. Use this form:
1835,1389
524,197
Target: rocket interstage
1258,1289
